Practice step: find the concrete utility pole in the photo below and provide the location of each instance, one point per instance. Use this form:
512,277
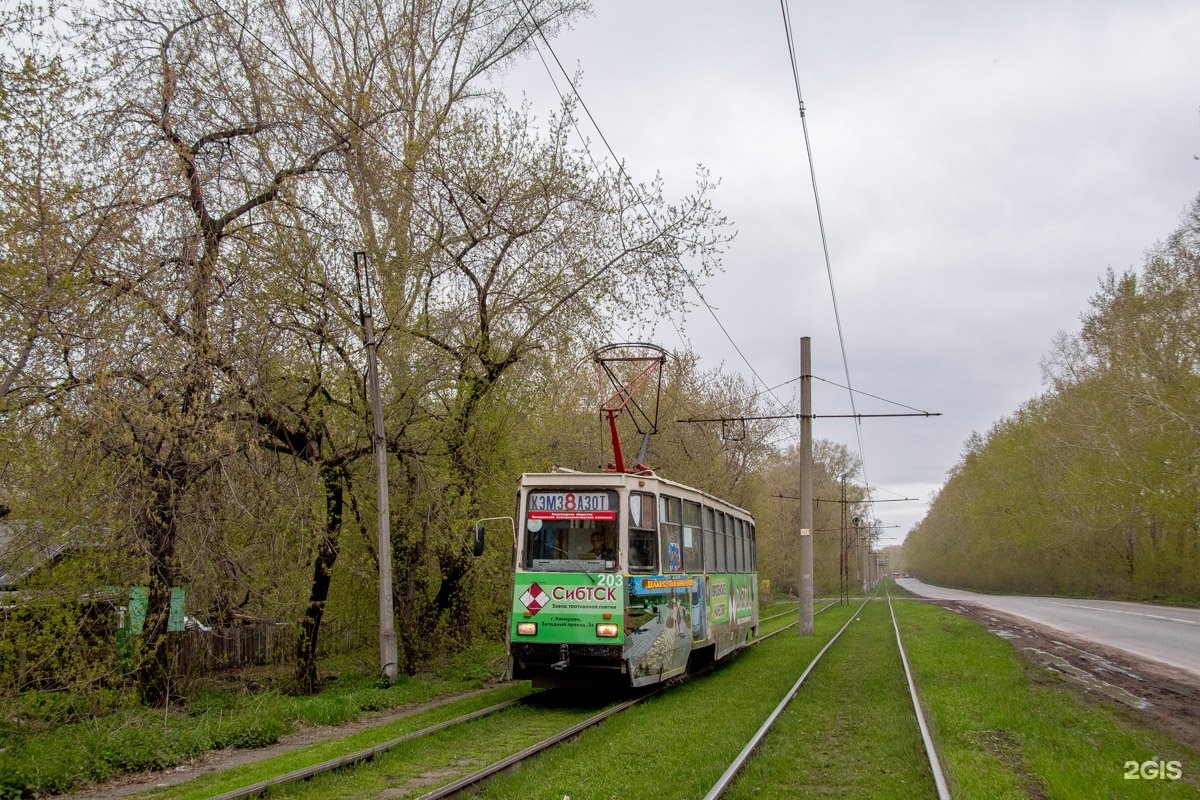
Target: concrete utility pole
806,489
387,625
866,561
843,571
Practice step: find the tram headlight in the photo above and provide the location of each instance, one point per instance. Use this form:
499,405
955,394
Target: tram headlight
606,630
526,628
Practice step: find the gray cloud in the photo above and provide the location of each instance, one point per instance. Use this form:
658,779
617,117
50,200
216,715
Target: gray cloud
980,166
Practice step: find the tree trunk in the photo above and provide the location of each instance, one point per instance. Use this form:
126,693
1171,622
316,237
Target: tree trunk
157,684
327,553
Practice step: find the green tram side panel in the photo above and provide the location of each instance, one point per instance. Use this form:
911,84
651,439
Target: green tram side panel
568,606
660,617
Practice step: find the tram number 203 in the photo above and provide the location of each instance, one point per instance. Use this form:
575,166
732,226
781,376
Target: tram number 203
610,579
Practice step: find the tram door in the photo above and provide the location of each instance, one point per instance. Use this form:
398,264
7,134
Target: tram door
700,608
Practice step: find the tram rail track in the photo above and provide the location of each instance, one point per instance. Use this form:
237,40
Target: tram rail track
460,785
935,763
719,788
473,780
727,778
366,754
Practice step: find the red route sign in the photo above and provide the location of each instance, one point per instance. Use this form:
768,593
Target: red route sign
575,516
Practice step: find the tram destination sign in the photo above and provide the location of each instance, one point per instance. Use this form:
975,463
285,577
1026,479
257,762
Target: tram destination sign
570,506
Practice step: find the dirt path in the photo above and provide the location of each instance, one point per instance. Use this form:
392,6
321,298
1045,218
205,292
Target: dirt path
220,760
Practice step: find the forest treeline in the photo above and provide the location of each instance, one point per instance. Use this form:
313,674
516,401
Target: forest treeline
197,202
1092,488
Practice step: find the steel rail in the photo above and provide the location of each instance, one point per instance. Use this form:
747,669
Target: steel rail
791,624
788,612
467,781
935,764
304,773
723,782
366,754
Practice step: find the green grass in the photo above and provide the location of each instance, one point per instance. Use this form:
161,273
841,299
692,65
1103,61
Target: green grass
1009,729
246,775
850,732
677,744
41,752
1005,728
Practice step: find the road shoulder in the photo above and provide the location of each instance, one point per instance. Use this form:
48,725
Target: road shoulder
1165,697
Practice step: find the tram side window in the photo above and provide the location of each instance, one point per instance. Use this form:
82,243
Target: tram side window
643,533
710,544
746,564
720,537
670,527
753,549
692,544
743,546
730,546
737,545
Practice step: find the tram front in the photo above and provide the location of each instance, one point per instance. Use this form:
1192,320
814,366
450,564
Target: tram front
569,588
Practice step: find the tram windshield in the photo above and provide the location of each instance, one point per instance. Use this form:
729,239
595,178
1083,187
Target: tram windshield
570,531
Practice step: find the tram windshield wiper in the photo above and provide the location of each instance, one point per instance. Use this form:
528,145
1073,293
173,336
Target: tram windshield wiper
580,565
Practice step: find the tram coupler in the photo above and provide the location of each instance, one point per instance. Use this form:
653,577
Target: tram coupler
564,658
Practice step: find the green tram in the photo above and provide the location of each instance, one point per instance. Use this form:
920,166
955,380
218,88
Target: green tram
626,579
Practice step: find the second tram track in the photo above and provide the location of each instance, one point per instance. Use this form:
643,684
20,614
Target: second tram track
935,764
719,789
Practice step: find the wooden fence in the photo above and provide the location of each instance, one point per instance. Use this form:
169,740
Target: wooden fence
251,644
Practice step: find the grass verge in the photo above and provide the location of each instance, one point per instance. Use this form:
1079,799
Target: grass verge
39,758
1009,729
248,774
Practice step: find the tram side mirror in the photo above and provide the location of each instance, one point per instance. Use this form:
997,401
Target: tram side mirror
477,546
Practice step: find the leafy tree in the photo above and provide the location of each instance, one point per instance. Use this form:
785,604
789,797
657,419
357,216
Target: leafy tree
1091,488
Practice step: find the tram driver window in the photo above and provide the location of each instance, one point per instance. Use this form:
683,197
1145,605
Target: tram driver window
570,530
643,533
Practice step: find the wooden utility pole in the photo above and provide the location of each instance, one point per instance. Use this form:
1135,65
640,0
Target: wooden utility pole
387,625
806,488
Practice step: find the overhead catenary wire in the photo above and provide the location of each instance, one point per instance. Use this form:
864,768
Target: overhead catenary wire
637,195
787,27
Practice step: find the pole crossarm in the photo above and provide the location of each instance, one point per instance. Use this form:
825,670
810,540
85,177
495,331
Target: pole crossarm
807,416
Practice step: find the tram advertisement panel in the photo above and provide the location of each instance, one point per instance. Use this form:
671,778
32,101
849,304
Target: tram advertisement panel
734,598
660,622
568,607
719,604
745,598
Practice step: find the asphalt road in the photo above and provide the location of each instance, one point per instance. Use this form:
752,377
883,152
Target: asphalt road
1168,634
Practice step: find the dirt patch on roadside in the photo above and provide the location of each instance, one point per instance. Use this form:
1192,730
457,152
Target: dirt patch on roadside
1166,698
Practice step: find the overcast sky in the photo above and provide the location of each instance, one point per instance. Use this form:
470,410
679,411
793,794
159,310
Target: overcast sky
980,166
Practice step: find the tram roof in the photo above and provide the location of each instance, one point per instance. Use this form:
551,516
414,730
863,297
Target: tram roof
572,478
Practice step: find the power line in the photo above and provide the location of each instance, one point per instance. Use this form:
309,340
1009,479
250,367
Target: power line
866,394
633,187
787,28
